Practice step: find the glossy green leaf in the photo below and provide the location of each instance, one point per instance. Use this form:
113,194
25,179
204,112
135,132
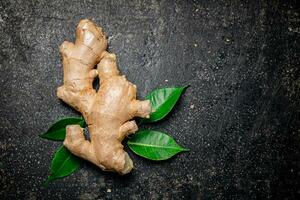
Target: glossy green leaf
63,164
57,131
162,101
154,145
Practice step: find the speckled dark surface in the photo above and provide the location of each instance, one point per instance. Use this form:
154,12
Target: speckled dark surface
239,117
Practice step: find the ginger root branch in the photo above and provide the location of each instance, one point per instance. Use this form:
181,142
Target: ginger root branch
107,111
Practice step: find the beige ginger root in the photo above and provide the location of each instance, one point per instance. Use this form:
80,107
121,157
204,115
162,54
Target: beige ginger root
107,111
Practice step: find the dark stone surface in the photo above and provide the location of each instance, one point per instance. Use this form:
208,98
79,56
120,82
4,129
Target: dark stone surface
239,117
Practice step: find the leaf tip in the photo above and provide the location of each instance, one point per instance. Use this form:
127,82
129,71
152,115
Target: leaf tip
186,87
42,135
46,183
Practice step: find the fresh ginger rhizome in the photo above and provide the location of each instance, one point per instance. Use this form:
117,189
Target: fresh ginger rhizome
108,111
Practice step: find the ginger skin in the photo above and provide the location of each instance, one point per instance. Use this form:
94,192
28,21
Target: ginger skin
107,111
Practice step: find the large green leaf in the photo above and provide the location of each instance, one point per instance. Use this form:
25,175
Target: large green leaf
162,101
57,131
154,145
63,164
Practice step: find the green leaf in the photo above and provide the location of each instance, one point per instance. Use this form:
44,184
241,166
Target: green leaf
63,164
162,101
57,131
154,145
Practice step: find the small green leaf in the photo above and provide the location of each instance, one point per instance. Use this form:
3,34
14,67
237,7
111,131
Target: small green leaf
154,145
162,101
57,131
63,164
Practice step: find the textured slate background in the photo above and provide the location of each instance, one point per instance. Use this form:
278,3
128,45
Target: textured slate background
239,117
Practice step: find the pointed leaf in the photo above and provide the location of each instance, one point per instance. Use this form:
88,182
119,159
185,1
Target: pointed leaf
154,145
63,164
162,101
57,131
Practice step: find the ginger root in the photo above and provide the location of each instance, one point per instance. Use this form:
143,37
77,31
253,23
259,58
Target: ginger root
107,111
